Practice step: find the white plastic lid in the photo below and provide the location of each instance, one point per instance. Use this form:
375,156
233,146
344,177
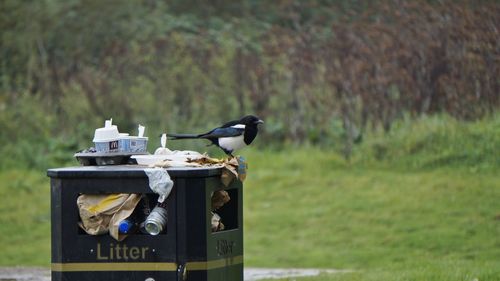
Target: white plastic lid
109,132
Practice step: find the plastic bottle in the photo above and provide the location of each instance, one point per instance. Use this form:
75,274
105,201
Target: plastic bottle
136,220
126,226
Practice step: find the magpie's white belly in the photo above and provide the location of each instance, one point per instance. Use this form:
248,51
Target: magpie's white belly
232,143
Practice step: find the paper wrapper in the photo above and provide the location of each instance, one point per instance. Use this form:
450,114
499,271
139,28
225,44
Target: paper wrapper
219,198
217,223
102,213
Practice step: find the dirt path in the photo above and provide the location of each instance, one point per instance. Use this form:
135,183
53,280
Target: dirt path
251,274
255,274
24,274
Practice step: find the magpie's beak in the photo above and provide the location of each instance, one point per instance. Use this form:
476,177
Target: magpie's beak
259,122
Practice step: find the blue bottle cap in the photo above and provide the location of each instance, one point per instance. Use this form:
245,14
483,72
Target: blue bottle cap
124,226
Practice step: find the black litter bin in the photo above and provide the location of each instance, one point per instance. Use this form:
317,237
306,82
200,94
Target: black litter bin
187,250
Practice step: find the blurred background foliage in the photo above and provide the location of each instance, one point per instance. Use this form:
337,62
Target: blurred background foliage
332,74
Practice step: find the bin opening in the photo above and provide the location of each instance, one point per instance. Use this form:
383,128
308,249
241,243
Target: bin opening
224,210
120,216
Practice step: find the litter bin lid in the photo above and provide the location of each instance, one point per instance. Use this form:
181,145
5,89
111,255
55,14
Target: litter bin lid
130,171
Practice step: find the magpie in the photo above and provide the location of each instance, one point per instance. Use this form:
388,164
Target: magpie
229,137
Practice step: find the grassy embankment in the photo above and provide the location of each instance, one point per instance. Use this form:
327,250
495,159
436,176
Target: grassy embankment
418,204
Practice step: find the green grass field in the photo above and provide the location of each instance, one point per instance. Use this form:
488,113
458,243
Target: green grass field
24,218
399,217
306,210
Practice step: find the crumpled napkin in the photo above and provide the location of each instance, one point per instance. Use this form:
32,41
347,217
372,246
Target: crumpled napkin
160,182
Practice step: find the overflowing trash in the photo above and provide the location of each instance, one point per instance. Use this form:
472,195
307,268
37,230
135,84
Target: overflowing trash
124,214
114,148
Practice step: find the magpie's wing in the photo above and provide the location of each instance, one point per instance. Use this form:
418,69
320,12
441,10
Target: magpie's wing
224,132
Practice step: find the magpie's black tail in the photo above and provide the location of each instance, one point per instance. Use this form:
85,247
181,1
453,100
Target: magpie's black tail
182,136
